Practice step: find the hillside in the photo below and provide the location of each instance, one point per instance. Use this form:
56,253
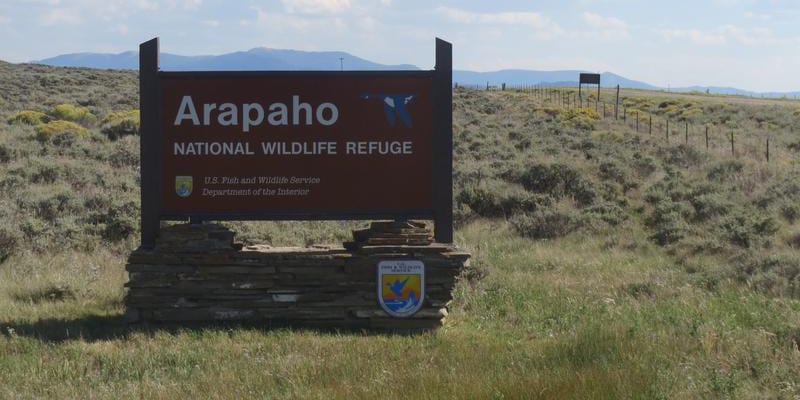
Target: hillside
260,58
610,260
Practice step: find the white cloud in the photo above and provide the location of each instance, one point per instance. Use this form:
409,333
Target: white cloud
756,36
315,6
750,37
694,36
59,16
192,4
4,20
543,27
533,19
281,22
606,28
121,29
756,16
211,22
105,10
368,24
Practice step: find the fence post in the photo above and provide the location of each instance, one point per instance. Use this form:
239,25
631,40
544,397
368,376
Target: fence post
767,148
667,131
625,114
686,141
733,149
650,128
604,110
706,137
616,105
637,121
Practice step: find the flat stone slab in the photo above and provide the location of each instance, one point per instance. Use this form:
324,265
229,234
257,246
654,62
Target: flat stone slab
318,286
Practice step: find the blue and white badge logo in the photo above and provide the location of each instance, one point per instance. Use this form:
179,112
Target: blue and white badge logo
183,186
394,106
401,287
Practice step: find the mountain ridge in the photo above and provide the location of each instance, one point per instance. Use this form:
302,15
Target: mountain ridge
264,58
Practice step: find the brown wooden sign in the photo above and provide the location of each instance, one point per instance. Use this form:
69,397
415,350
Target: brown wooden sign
592,79
296,145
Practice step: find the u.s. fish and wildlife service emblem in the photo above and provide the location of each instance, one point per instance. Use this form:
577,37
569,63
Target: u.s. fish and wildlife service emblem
401,286
183,186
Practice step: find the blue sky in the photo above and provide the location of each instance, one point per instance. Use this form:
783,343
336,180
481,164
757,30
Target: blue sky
750,44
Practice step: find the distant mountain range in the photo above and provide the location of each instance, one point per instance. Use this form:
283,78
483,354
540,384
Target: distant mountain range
254,59
276,59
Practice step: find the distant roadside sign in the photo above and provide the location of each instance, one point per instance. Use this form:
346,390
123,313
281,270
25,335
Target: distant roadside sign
591,79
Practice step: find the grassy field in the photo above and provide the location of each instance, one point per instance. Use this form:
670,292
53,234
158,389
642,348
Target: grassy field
608,263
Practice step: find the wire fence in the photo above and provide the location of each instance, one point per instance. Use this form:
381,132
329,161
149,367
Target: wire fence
757,139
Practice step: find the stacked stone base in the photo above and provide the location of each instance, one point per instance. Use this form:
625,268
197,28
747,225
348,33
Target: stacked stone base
310,287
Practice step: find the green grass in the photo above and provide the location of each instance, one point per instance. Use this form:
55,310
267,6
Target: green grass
566,318
608,263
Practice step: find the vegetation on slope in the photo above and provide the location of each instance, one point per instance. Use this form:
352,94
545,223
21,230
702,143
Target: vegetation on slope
609,263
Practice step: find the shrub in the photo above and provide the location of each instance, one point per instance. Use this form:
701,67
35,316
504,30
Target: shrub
481,200
557,181
46,132
725,170
778,275
609,136
125,155
747,229
461,213
69,112
28,117
119,124
6,153
476,270
673,187
9,239
644,165
708,205
581,118
668,221
612,171
498,199
609,213
790,211
669,227
547,224
682,156
49,203
123,221
782,195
